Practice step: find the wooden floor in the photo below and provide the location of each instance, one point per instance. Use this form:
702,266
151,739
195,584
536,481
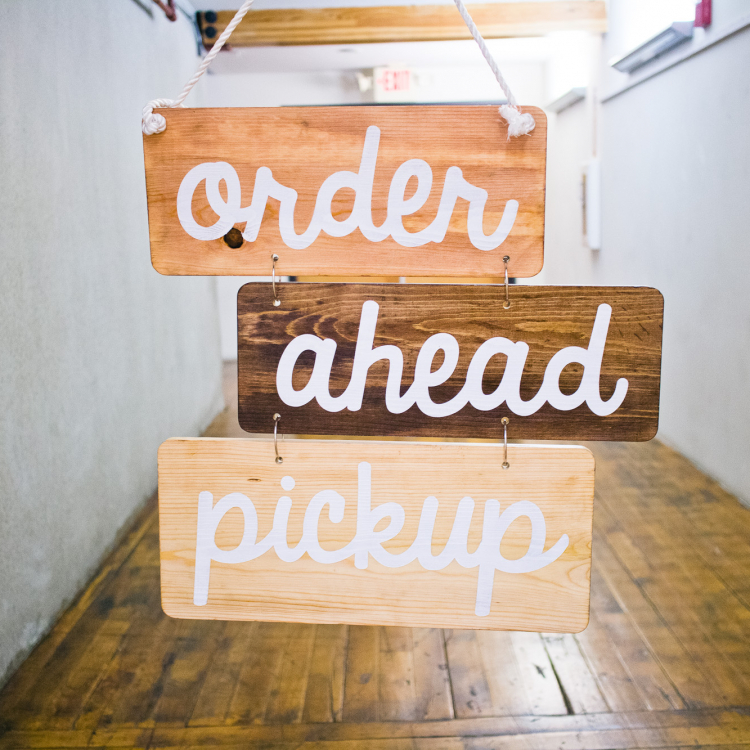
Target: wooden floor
665,661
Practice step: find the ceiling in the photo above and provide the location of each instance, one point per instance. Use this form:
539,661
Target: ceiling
365,56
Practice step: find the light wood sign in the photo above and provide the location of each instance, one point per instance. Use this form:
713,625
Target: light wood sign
444,360
411,534
335,191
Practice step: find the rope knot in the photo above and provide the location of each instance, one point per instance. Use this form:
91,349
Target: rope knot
151,122
519,123
155,123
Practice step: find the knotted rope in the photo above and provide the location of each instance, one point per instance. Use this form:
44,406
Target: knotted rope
518,123
155,123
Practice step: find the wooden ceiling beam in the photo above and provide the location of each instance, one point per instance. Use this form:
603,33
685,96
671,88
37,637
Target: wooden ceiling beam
410,23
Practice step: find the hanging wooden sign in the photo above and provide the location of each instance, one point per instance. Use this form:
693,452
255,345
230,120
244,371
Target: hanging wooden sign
336,191
411,534
444,360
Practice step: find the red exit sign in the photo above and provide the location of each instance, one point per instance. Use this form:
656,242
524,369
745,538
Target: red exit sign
394,84
390,79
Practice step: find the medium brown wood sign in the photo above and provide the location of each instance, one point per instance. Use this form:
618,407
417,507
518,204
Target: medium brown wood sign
336,191
362,532
444,360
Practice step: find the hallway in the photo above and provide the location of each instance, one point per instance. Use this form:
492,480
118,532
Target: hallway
664,662
425,221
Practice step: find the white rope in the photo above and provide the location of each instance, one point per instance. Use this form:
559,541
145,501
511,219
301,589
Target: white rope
155,123
518,123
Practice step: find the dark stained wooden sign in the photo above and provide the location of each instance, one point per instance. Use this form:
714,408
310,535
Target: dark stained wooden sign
447,360
339,191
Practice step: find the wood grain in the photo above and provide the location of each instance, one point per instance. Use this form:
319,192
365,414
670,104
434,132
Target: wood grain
546,318
416,23
559,479
304,145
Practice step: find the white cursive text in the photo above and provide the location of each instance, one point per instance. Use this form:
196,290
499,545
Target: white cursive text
368,542
231,212
418,393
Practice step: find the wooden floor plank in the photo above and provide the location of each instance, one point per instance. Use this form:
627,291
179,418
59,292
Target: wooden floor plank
502,673
650,678
722,659
22,682
612,676
574,674
677,547
117,613
146,623
145,668
223,673
193,652
85,677
361,692
471,691
537,675
694,686
396,683
288,696
324,696
715,632
655,729
260,674
431,677
54,699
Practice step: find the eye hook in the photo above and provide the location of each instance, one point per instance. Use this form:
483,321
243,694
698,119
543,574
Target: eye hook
505,422
276,300
506,304
276,418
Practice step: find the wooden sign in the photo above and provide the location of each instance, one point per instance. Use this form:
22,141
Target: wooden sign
375,533
444,360
337,191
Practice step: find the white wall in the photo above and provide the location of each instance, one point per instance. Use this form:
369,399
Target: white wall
102,358
335,87
675,156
